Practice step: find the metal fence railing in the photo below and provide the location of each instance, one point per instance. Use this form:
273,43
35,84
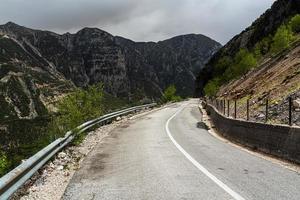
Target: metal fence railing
263,110
13,180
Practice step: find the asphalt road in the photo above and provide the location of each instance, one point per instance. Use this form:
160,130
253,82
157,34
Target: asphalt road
168,155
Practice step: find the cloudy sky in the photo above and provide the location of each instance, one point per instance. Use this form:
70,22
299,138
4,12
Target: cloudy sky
139,20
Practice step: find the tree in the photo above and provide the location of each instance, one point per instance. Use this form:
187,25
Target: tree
170,94
281,39
212,87
295,23
262,47
222,64
243,62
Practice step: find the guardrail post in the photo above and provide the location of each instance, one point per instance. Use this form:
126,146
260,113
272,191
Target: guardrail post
267,110
228,108
234,109
290,110
247,109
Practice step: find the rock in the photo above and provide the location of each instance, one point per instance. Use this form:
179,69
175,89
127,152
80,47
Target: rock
67,173
296,103
60,167
261,115
62,155
118,118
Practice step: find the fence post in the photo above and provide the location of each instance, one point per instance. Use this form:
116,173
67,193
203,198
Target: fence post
267,110
290,110
224,107
247,109
228,108
234,109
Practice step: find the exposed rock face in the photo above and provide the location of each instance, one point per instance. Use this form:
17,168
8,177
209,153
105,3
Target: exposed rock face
28,82
39,67
154,66
126,68
266,24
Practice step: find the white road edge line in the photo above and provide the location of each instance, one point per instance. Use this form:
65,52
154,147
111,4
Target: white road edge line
232,193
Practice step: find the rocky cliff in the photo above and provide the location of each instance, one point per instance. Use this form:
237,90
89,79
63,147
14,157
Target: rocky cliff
39,67
126,68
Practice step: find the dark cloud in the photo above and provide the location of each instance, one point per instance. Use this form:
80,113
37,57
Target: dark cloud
140,20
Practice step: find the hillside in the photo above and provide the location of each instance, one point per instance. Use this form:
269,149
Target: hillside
276,79
261,30
262,63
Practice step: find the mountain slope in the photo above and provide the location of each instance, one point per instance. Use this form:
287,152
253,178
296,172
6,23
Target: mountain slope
174,61
275,74
126,68
267,24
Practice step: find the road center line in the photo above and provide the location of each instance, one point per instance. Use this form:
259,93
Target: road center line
198,165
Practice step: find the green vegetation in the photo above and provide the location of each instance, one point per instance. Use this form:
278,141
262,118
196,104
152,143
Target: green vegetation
242,62
79,106
282,39
295,23
229,68
18,146
76,108
212,87
170,94
4,163
262,47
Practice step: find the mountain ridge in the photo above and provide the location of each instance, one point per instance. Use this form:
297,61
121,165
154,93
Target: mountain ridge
115,45
38,68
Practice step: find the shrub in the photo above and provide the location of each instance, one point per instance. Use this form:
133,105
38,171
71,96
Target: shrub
281,39
4,163
243,62
170,94
78,107
262,47
222,64
295,23
212,87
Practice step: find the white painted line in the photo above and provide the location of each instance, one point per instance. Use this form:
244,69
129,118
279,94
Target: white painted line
232,193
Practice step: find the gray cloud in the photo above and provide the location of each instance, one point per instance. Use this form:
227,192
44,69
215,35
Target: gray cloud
140,20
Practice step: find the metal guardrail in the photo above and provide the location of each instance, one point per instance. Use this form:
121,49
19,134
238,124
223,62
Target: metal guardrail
13,180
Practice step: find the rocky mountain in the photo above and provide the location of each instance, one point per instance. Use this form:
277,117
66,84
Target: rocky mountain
280,12
126,68
39,67
29,83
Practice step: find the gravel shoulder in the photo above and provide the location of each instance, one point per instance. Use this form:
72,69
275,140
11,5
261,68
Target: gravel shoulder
50,182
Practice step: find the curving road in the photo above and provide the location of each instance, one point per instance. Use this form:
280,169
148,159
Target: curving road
168,155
